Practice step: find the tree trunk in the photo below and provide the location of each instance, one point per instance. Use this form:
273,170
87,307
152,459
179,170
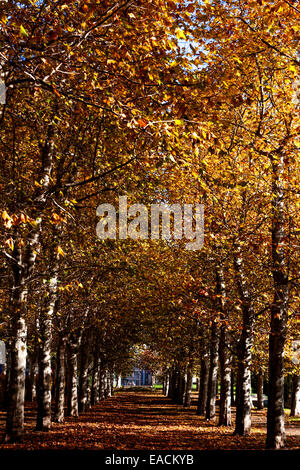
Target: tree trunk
172,383
213,374
31,378
18,345
22,269
153,379
224,354
275,418
232,388
84,380
16,395
72,406
107,389
34,366
44,375
111,383
260,389
166,384
295,405
119,381
180,389
244,352
225,393
102,382
95,391
59,411
188,386
7,375
243,384
202,398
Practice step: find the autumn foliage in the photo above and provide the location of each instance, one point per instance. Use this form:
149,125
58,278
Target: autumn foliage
165,102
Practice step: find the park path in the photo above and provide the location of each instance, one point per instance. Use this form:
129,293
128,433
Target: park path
144,420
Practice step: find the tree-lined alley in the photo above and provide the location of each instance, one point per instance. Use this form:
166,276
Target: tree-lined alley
168,103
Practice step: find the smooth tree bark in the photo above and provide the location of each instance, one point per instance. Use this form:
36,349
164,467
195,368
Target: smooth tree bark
43,422
295,404
111,382
224,354
84,377
202,397
232,383
204,372
260,389
210,412
31,379
7,374
107,387
119,381
59,407
74,342
72,399
279,308
22,269
244,351
181,388
166,383
172,383
102,381
95,387
22,264
16,388
187,399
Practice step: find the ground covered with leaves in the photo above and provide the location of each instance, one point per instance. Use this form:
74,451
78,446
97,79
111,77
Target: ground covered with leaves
145,420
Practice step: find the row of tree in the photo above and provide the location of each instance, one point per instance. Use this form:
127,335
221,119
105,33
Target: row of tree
167,102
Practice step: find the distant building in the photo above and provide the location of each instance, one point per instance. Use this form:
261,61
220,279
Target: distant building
138,377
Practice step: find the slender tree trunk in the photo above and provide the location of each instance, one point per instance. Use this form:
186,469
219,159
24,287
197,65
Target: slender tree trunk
202,398
15,412
188,385
166,384
181,388
260,389
102,383
31,383
243,385
225,394
287,387
275,417
95,391
111,383
28,387
172,384
295,405
244,356
22,268
107,391
232,382
59,411
224,355
119,381
7,375
84,379
72,406
18,350
213,374
44,375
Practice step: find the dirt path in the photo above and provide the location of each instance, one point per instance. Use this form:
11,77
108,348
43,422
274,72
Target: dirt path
132,420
